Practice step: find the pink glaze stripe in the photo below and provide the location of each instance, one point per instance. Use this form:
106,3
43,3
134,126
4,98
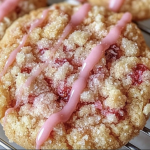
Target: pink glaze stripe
75,20
13,54
115,5
6,7
6,113
38,22
79,85
28,83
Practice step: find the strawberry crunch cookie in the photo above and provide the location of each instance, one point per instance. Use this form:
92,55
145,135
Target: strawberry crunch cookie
10,10
74,77
140,9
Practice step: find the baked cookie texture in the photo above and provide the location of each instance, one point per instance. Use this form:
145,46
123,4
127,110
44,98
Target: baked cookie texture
140,9
113,107
23,7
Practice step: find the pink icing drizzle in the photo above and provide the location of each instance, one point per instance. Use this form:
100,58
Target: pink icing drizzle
79,85
7,6
13,54
75,20
28,82
115,5
6,113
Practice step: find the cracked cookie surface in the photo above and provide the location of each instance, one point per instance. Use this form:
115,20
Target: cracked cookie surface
113,107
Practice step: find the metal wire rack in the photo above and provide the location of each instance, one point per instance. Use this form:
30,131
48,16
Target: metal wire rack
5,145
129,146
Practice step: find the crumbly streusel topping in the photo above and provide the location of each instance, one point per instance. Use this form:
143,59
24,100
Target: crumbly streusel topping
113,107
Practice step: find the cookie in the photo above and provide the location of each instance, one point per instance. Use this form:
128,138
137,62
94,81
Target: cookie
69,82
18,8
140,9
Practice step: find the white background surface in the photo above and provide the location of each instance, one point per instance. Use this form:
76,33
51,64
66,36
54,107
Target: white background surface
142,141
